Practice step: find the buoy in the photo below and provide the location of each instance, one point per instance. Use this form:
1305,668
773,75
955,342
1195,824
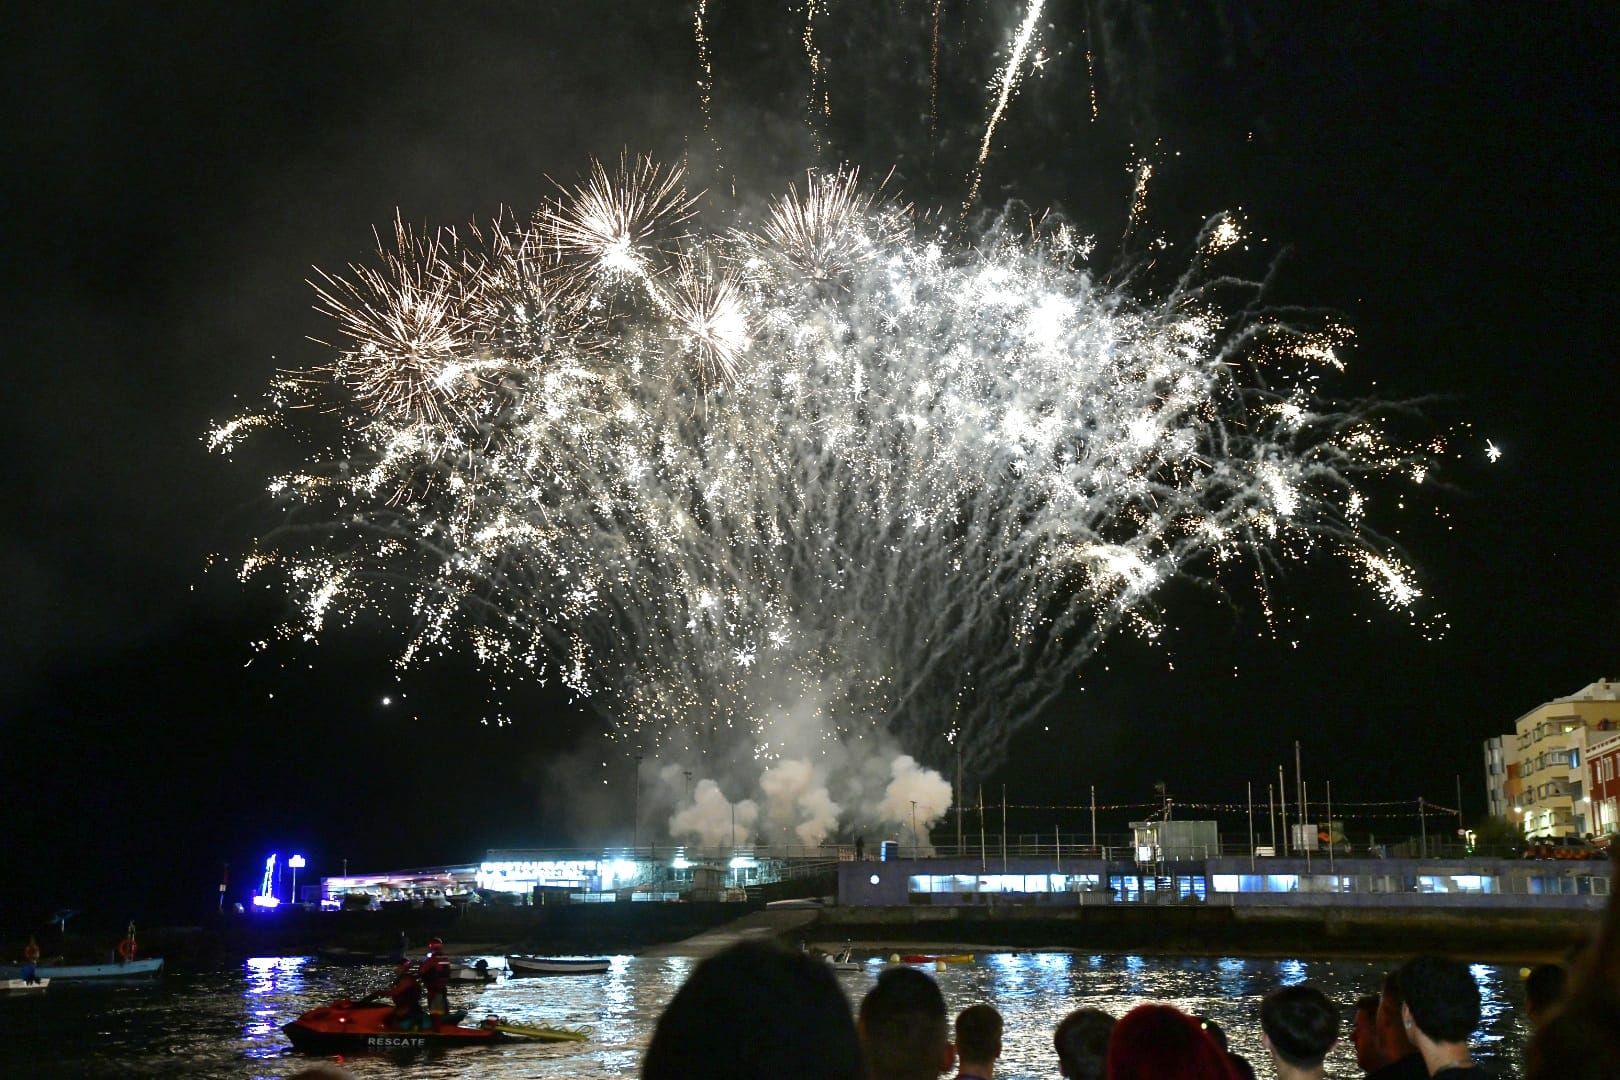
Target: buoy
939,965
894,959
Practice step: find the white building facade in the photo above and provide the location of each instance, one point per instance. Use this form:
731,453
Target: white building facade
1551,743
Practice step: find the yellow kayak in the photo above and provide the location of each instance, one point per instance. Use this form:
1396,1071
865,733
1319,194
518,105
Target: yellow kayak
543,1032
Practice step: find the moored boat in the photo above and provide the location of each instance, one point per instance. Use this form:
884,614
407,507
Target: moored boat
558,965
844,960
22,986
132,969
477,972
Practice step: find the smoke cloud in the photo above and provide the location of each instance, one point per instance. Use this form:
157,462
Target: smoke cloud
914,783
796,799
805,804
715,820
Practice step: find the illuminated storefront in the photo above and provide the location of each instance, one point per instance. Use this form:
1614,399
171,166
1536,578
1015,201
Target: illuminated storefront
1221,881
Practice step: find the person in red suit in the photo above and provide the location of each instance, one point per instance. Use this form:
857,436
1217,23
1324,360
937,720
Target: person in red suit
435,975
407,997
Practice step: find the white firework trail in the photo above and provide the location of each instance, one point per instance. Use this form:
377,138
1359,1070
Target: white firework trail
933,72
819,100
1005,84
821,464
705,88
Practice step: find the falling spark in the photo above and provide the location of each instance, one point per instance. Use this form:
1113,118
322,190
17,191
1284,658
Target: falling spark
1493,453
933,73
819,100
818,461
705,82
1003,86
1091,68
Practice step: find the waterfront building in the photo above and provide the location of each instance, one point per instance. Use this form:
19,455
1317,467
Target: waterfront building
1496,776
586,876
1550,745
1603,785
1228,881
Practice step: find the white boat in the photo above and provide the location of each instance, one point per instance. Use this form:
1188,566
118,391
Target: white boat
844,961
22,986
477,972
558,965
132,969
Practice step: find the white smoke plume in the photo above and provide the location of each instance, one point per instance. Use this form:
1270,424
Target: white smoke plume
914,783
796,799
801,802
713,819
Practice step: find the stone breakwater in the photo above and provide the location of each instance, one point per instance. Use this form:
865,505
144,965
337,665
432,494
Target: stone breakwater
1195,930
1510,936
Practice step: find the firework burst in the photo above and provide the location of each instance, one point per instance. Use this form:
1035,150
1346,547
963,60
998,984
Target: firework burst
821,465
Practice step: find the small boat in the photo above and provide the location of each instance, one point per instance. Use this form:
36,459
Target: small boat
844,961
22,986
478,972
558,965
343,1028
131,969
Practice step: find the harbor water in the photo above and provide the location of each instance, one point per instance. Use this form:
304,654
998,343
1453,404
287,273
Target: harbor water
228,1023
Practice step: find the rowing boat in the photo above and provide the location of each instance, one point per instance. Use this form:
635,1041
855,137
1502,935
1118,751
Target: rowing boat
558,965
22,986
133,969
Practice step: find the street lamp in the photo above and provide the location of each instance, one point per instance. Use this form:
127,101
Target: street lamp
295,863
635,844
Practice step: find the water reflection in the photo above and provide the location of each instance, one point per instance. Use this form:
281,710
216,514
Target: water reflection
271,983
1231,976
227,1025
270,974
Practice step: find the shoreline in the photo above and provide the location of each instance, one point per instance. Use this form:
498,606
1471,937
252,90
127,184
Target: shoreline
697,929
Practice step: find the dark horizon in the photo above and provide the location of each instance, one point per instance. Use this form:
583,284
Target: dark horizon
1439,177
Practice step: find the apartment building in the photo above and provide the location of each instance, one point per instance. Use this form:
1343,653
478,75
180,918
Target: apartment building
1550,745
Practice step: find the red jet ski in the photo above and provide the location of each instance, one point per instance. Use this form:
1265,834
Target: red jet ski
346,1028
342,1028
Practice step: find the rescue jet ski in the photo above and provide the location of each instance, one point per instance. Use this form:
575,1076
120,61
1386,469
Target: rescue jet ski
347,1028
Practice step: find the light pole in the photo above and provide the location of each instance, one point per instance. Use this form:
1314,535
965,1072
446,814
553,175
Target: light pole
914,844
296,863
635,842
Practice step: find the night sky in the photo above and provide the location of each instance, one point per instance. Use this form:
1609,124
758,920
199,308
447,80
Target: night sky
1441,175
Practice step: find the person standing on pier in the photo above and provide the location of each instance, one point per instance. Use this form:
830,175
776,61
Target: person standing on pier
1442,1009
1081,1042
903,1028
1364,1035
978,1042
1401,1059
30,967
1298,1025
